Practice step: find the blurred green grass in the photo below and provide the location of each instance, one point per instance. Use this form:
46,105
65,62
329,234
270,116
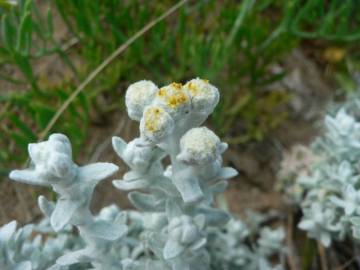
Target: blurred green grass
231,43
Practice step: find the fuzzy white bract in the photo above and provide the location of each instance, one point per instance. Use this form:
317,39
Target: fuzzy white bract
156,123
204,96
138,96
200,146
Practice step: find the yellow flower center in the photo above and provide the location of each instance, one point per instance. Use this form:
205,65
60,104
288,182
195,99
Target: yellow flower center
173,95
152,116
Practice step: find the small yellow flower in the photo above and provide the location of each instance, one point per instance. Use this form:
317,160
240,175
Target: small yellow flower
204,96
156,123
173,98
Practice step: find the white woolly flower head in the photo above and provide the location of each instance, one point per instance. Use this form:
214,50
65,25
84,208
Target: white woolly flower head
174,99
200,146
52,157
204,96
156,123
138,96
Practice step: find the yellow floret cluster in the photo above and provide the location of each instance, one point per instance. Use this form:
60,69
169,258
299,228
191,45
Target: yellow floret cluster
156,123
173,95
155,108
204,96
153,117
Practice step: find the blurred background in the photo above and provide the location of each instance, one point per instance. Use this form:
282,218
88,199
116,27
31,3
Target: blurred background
65,66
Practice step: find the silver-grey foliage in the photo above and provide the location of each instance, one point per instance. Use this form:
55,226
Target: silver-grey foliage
179,227
329,191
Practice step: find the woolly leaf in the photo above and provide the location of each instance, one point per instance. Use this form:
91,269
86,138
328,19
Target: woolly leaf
130,185
7,231
227,172
63,212
104,230
172,249
188,187
96,172
219,187
23,266
172,209
198,244
28,177
46,206
119,146
70,258
214,217
144,202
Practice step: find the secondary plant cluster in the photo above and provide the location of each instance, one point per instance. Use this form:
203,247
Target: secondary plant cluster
326,183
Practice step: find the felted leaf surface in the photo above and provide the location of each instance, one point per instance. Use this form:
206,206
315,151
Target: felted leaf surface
62,213
130,185
219,187
156,244
200,221
172,209
55,267
144,202
180,264
214,217
198,244
27,176
227,172
105,230
189,188
164,184
325,239
172,249
355,220
23,266
74,257
306,225
7,231
96,172
119,146
46,206
132,175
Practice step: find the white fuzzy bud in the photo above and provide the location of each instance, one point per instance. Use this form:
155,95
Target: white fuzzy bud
174,99
183,230
138,96
200,146
156,123
139,154
204,96
52,158
109,213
